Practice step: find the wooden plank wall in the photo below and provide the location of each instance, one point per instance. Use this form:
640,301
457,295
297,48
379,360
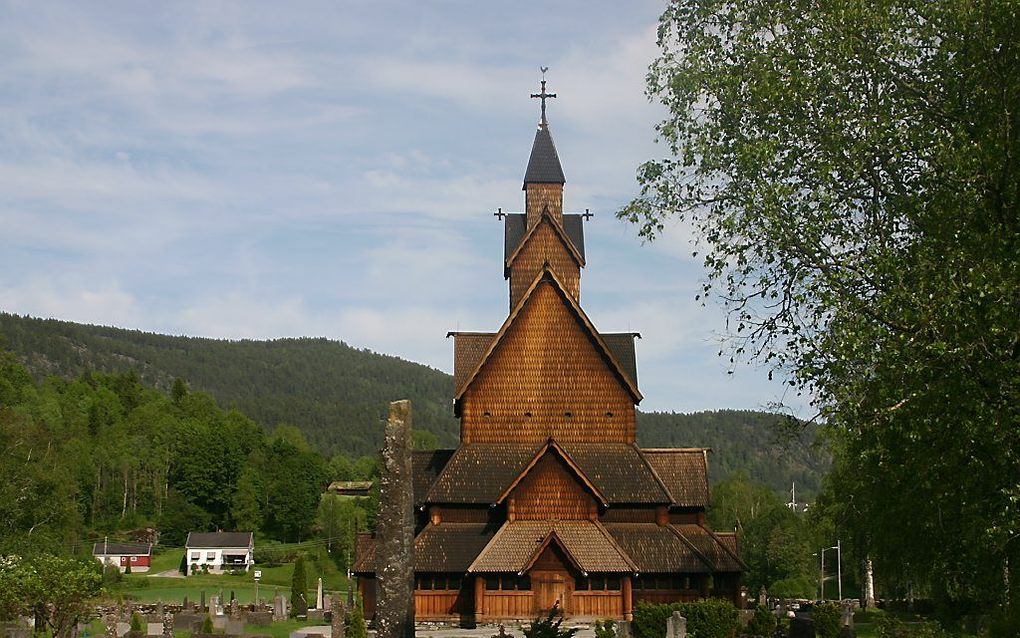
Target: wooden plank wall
441,603
597,604
551,491
509,604
546,379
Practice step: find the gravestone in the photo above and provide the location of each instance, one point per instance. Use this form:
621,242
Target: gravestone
259,618
763,597
802,627
676,626
187,604
847,618
279,608
318,595
214,605
338,628
394,614
153,629
315,615
234,627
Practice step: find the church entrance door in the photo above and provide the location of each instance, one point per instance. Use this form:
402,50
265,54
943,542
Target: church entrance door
550,591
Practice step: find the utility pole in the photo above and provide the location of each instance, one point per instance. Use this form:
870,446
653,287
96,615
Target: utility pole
839,568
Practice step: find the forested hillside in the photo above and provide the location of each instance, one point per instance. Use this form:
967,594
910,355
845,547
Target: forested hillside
337,395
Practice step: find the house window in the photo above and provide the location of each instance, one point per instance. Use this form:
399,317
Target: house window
134,559
210,555
196,556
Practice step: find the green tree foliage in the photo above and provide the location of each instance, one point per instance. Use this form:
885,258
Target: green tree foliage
763,623
338,520
852,171
299,589
246,509
356,621
549,627
59,591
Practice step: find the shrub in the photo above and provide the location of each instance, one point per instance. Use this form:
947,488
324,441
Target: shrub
207,625
299,589
763,623
136,622
549,627
798,587
826,617
605,629
356,622
111,575
705,619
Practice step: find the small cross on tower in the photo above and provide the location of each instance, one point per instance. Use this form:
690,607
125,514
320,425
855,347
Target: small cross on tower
543,95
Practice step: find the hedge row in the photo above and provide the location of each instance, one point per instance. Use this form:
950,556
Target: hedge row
705,619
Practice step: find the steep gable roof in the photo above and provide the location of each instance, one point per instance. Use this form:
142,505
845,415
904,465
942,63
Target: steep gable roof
554,447
561,233
515,226
547,276
587,544
219,539
544,163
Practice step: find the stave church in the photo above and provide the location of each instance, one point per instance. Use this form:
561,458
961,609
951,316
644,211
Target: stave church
548,502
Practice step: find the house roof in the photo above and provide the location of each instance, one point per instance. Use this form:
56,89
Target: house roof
364,554
350,486
713,548
480,473
544,163
121,549
219,539
449,547
426,465
517,544
684,472
657,548
515,227
548,277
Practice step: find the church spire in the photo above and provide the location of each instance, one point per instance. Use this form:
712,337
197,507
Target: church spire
544,164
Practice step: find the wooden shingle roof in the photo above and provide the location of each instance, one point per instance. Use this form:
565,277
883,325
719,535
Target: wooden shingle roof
711,547
480,473
548,277
657,548
544,162
450,547
684,472
515,226
517,544
426,465
468,350
560,231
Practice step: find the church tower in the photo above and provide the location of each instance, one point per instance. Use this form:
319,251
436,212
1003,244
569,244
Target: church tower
548,501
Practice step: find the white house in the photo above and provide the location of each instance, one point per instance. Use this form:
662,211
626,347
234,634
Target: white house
136,555
220,551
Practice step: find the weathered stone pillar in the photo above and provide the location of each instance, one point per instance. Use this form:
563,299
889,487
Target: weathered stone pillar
394,613
338,625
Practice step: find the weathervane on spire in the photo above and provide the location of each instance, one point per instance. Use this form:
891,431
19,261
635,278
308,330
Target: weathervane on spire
543,95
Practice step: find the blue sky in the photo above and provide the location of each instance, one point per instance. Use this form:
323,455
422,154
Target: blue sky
269,169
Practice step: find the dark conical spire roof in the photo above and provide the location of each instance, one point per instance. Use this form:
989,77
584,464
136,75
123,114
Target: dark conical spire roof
544,164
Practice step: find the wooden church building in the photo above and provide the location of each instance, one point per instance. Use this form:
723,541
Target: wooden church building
548,501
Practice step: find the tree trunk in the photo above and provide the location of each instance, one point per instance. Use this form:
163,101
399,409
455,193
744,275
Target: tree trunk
869,584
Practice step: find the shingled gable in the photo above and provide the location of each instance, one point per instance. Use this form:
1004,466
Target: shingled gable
554,447
586,544
548,276
683,472
544,162
546,218
515,227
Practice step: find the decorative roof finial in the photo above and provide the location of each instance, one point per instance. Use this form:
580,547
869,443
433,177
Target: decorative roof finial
543,95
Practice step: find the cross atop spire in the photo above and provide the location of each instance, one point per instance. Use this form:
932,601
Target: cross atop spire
543,95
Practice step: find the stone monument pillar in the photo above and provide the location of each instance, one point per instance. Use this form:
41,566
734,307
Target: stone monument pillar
394,552
338,624
318,595
676,626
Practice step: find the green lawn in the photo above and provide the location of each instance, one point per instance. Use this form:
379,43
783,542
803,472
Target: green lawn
152,588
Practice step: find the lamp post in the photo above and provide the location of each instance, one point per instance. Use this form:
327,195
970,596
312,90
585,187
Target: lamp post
839,569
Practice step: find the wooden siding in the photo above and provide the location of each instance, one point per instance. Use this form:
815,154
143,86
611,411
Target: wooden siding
539,196
544,246
597,604
441,603
545,379
550,490
509,604
629,515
